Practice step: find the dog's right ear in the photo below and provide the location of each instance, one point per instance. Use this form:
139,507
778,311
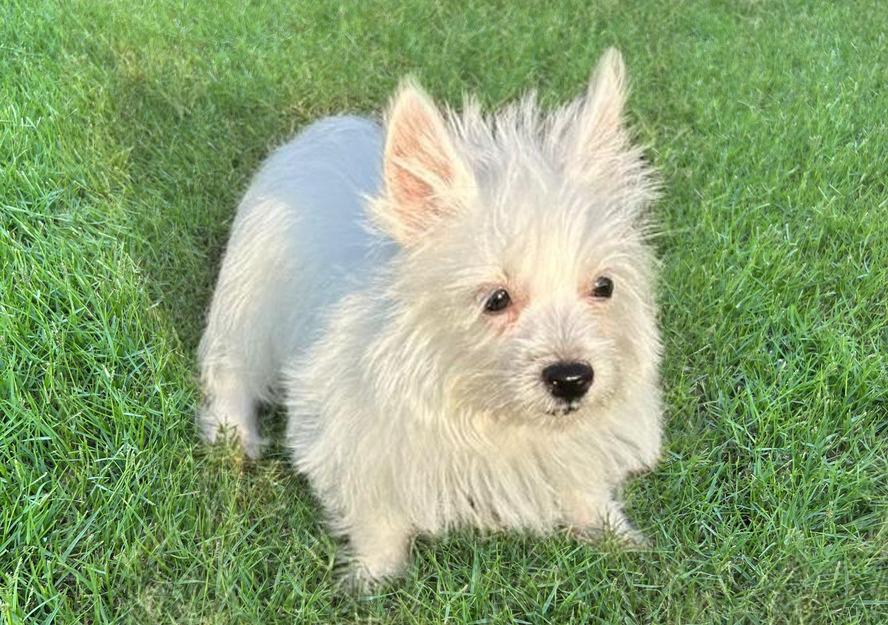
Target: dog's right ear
425,180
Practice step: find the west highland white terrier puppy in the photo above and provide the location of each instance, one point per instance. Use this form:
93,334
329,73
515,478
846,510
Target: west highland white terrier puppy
456,309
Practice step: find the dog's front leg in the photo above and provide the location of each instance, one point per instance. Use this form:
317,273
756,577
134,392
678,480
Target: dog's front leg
591,514
380,543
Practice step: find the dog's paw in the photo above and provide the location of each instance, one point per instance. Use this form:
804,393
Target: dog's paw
360,580
361,577
214,431
630,538
610,522
627,536
377,553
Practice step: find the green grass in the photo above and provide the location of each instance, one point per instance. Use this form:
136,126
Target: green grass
127,132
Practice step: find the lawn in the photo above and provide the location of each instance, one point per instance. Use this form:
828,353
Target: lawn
128,131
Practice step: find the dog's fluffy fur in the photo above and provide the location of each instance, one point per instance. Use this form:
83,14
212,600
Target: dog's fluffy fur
353,290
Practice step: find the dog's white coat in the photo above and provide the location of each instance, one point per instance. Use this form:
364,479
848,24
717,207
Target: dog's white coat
352,290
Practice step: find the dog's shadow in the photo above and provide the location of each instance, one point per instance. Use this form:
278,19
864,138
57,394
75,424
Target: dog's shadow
190,146
187,166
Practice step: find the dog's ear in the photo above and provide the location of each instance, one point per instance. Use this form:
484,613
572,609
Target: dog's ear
425,180
606,96
600,151
599,129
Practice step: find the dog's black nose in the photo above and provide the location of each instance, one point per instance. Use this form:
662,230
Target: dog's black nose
568,380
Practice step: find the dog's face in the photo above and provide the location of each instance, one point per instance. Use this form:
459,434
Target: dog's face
553,296
524,264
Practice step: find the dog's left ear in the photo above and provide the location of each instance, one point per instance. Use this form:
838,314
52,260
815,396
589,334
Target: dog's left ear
425,179
599,130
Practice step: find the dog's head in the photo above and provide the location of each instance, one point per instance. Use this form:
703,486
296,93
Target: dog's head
523,271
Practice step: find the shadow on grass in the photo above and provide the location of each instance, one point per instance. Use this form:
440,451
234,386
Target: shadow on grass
192,147
189,163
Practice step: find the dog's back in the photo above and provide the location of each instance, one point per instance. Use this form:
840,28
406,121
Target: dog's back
297,244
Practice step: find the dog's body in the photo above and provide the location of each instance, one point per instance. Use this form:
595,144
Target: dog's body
297,246
484,352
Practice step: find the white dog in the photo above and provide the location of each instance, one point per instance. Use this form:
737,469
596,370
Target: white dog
457,311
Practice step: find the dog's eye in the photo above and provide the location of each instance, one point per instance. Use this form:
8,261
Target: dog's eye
604,288
498,301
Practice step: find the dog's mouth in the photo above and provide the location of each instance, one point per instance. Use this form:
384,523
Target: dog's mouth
564,409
